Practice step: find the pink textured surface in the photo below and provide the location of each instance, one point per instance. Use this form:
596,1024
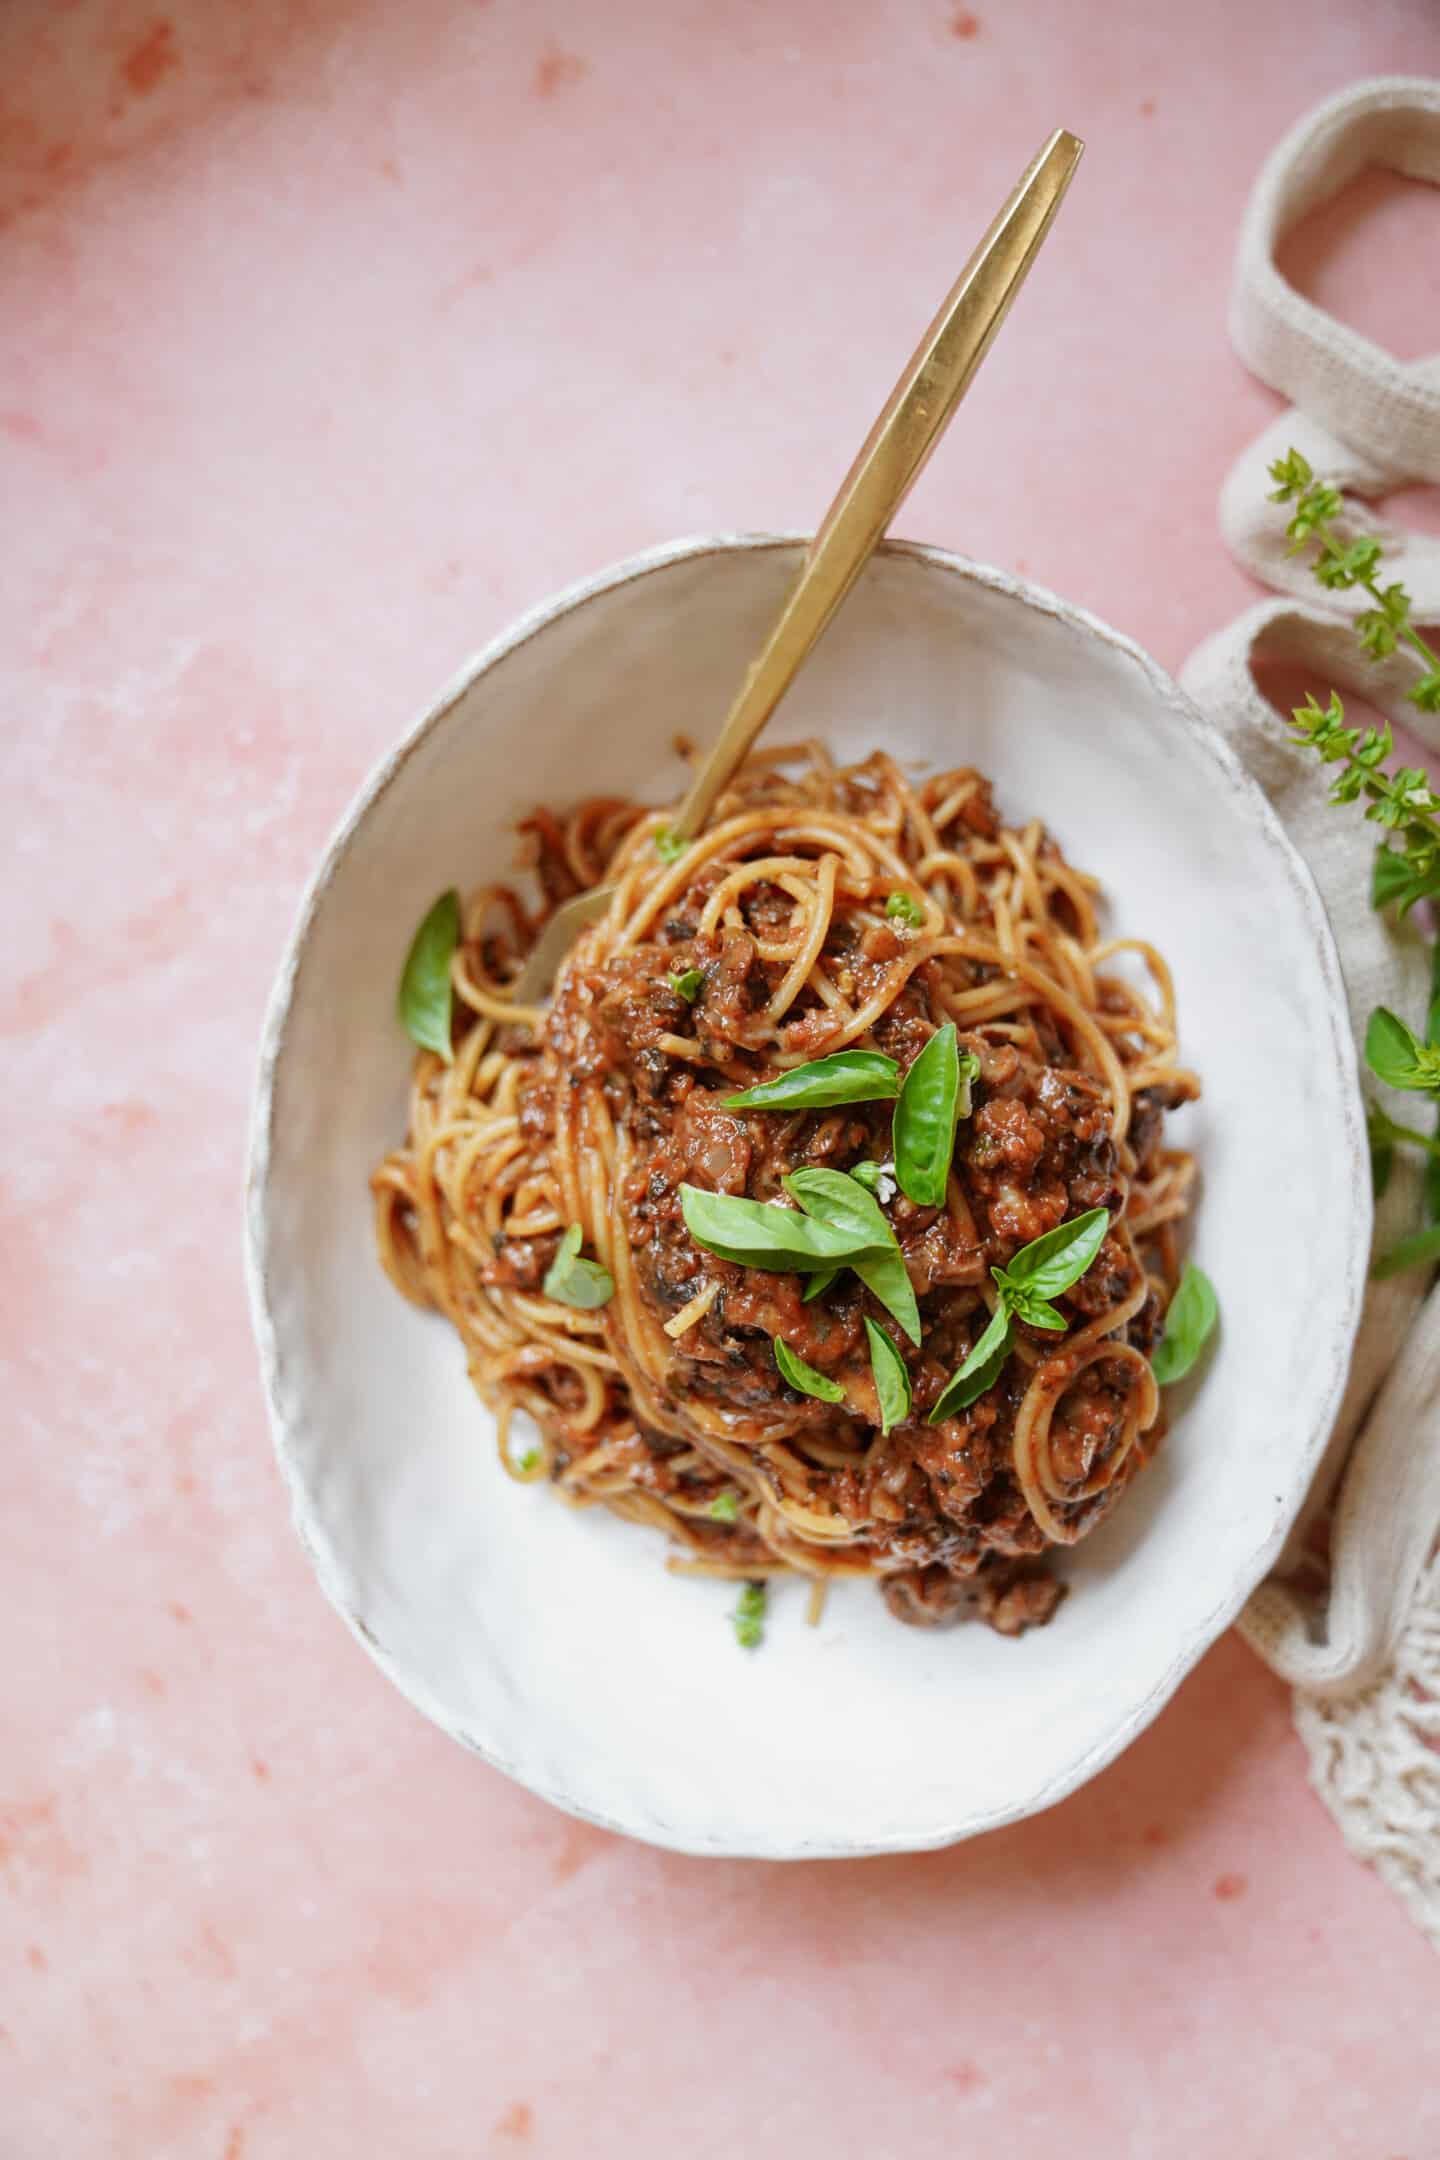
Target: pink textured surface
336,333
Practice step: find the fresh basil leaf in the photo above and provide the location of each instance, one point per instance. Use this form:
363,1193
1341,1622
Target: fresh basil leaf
687,985
980,1370
900,907
669,846
877,1178
1025,1305
426,996
1432,1017
581,1284
1049,1265
892,1381
846,1076
925,1119
834,1197
1396,1054
1421,1250
804,1377
819,1284
1189,1324
887,1279
725,1507
750,1616
756,1233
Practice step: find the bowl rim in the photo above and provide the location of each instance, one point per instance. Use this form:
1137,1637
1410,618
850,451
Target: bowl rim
1087,1761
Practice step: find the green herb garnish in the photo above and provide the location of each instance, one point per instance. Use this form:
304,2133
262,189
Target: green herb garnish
834,1198
1041,1270
725,1507
582,1284
846,1076
819,1284
426,998
762,1234
687,985
750,1616
1189,1324
876,1177
804,1378
901,908
1396,1055
934,1097
892,1381
668,844
980,1370
1403,803
529,1461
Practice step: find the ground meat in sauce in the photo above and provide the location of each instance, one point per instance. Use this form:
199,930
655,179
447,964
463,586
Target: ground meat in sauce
938,1509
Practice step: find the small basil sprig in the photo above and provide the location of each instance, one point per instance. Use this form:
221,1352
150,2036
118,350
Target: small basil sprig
762,1234
581,1284
1041,1270
1189,1324
832,1197
804,1378
1396,1054
425,997
688,984
846,1076
892,1381
934,1098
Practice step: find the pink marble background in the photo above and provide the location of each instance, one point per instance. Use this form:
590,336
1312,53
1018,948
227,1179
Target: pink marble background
334,333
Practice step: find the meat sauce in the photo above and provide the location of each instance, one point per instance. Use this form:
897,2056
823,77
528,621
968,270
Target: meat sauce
938,1509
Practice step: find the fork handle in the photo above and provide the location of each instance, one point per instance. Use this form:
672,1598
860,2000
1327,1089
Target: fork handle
891,459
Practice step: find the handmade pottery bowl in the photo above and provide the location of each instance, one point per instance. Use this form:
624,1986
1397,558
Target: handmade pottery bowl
552,1641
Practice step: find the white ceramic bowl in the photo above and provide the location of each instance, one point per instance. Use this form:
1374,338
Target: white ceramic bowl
553,1642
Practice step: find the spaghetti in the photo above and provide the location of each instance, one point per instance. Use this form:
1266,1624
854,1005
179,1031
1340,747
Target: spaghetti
823,909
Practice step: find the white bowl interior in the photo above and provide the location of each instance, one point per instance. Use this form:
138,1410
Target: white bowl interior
554,1642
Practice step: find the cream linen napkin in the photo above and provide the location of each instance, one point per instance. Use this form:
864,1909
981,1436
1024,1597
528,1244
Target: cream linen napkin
1361,1642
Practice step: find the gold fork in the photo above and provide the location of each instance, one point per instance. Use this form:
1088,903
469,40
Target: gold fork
890,461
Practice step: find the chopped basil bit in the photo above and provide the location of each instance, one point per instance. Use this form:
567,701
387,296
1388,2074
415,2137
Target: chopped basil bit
901,908
529,1460
581,1284
750,1616
725,1507
668,845
426,996
689,985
